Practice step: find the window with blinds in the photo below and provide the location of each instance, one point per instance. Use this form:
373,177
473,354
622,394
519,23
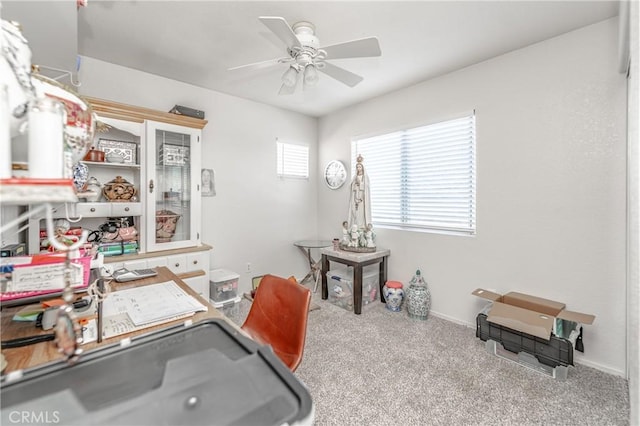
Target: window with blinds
424,178
293,160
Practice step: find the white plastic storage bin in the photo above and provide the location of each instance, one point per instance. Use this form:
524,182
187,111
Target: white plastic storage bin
340,286
229,308
223,285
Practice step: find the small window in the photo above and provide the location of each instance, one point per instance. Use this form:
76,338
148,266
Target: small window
423,178
293,160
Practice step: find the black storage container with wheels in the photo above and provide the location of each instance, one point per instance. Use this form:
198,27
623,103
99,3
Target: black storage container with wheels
553,352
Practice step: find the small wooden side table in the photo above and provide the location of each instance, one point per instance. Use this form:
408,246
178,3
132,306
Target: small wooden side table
306,246
357,261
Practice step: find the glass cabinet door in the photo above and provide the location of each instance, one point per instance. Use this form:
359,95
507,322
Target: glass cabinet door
173,187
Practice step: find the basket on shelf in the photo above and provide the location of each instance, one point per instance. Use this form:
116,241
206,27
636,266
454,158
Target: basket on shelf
166,223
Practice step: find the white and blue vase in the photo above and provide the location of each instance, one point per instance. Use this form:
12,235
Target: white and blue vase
418,297
393,295
80,175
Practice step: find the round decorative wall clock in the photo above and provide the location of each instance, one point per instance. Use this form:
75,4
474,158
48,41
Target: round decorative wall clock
335,174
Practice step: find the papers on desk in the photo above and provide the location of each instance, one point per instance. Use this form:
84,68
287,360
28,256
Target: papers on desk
136,308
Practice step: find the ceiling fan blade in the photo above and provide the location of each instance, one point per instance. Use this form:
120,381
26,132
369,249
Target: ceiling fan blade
340,74
279,27
287,90
263,64
255,65
360,48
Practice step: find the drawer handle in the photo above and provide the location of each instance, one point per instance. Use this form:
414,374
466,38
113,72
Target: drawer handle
126,209
195,262
93,209
177,265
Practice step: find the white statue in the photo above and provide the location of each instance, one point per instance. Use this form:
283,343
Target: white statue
345,233
359,200
368,234
355,235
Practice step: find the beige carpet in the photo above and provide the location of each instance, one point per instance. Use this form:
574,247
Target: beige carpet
384,368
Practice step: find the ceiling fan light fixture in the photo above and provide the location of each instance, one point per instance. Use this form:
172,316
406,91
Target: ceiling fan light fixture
306,57
310,75
290,77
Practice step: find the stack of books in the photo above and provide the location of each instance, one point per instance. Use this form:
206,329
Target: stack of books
118,248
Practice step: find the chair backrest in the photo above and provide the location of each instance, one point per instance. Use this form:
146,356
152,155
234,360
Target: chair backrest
278,317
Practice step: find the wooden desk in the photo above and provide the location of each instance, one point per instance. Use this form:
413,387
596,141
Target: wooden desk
357,261
40,353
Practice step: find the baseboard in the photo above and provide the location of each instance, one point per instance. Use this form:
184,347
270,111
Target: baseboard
453,320
601,367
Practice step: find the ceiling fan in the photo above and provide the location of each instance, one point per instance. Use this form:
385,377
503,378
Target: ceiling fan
306,57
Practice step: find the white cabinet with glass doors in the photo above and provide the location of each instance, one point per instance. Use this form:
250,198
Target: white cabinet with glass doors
165,172
172,186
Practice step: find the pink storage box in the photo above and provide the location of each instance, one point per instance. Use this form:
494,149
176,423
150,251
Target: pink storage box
44,259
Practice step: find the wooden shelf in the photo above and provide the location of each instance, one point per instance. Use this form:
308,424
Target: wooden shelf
112,165
139,114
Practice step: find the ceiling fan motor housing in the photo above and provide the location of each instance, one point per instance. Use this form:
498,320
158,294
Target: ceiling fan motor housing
305,31
309,52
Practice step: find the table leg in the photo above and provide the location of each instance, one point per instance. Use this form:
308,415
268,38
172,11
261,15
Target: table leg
307,254
382,278
357,289
311,263
325,269
315,286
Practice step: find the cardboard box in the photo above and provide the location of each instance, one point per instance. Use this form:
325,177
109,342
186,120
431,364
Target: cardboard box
530,314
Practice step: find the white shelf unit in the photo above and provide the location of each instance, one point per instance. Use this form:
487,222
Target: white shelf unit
185,255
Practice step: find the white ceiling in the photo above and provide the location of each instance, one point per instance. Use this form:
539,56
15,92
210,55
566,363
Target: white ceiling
196,42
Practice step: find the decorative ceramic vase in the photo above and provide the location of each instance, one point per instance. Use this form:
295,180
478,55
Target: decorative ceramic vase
94,155
418,297
114,157
92,190
80,175
393,295
118,190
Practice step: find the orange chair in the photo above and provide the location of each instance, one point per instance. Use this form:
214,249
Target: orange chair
278,317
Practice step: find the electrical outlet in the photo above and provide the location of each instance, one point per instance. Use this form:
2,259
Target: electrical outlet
248,267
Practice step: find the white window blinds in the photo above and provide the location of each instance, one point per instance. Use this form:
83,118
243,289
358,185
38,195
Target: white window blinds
423,178
293,160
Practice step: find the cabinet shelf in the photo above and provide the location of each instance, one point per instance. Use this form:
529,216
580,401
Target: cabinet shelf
112,165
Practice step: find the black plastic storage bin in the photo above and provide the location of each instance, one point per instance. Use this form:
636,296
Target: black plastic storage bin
202,374
553,352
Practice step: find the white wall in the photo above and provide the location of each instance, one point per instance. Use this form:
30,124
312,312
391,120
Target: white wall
633,255
255,216
551,183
